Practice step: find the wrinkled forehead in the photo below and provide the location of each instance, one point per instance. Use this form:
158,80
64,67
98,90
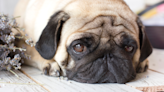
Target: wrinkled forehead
104,27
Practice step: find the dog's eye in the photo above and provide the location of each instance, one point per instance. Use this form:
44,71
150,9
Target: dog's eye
79,47
128,48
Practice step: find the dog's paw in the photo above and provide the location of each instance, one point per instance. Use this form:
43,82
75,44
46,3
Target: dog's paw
142,67
52,69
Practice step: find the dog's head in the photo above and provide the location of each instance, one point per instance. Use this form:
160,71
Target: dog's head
95,49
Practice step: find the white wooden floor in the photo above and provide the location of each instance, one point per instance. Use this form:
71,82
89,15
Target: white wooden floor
31,80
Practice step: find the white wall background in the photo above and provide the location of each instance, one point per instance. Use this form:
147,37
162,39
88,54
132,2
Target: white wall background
136,5
7,6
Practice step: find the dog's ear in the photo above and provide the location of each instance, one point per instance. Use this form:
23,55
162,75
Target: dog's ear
145,46
50,36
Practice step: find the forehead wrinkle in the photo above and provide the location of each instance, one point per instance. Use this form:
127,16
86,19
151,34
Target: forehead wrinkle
109,23
100,25
92,33
71,37
104,28
127,29
119,33
99,18
131,27
89,29
89,22
97,31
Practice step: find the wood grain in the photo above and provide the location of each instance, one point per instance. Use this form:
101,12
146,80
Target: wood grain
156,60
11,83
153,79
149,81
33,81
58,85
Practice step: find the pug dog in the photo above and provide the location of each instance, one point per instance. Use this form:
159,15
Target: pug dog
88,41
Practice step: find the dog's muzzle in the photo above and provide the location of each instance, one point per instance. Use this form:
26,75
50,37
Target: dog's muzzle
107,69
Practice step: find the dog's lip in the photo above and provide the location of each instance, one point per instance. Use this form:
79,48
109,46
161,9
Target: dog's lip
100,79
102,76
92,80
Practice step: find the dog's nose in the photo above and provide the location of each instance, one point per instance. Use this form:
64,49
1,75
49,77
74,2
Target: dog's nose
108,57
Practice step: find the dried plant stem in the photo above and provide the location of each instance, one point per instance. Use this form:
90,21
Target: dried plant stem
16,17
21,83
20,32
15,48
14,73
19,37
11,56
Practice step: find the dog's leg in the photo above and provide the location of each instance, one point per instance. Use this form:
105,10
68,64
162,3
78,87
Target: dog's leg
48,67
143,66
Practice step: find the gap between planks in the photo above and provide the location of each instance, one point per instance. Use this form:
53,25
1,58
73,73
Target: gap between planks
150,89
147,87
60,85
155,71
34,80
11,83
149,81
156,60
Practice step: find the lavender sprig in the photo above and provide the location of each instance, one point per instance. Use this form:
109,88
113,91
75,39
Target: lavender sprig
11,56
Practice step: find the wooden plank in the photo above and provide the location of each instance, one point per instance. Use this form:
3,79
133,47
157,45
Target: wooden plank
149,81
156,60
11,83
55,84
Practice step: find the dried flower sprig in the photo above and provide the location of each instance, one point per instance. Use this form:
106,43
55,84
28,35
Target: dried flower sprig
11,57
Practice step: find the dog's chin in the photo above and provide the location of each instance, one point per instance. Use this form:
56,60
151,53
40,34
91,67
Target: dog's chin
104,70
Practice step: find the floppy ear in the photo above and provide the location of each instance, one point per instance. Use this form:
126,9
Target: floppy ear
50,36
145,46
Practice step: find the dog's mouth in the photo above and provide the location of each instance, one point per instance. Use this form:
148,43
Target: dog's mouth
104,70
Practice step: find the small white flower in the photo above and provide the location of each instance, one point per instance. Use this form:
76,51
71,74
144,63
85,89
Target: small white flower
17,57
26,34
3,18
13,49
9,38
11,46
22,29
2,26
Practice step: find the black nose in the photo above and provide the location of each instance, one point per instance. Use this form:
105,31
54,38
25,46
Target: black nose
108,57
107,68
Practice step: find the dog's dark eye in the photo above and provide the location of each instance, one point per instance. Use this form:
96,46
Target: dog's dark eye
79,47
128,48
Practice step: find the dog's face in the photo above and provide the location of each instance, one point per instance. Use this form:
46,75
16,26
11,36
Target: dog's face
105,49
